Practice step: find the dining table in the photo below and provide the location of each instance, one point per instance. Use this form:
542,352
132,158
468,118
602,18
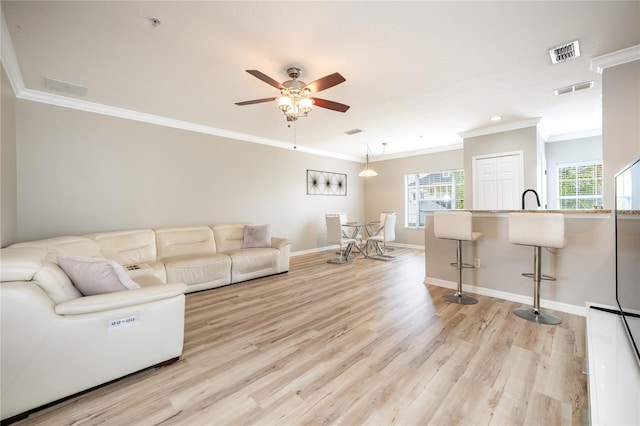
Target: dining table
355,228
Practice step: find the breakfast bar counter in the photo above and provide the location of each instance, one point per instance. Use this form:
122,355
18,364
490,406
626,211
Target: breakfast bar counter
584,268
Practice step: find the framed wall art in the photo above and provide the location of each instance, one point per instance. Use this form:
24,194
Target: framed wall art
326,183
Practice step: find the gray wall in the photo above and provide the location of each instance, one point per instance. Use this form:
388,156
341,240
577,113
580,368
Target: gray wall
81,172
8,178
524,140
386,192
620,121
569,151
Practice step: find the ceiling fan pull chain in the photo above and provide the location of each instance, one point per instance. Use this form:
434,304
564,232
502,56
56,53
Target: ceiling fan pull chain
295,136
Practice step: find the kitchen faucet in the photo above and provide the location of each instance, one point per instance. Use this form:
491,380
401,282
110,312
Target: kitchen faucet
536,194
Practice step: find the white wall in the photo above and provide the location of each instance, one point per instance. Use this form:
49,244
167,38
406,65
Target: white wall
569,151
81,172
8,179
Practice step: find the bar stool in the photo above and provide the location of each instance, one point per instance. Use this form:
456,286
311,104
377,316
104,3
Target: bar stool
452,225
537,230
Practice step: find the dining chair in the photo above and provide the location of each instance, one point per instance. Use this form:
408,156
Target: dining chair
386,234
343,220
383,215
335,236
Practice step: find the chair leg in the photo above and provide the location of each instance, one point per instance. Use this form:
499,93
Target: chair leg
458,297
379,252
535,314
344,255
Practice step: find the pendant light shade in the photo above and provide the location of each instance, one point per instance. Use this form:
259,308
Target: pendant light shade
367,171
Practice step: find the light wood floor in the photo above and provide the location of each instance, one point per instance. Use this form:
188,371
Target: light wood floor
362,343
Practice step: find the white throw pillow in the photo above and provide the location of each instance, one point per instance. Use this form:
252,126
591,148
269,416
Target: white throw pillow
256,236
92,275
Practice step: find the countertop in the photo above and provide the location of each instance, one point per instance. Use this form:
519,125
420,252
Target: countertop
590,211
594,213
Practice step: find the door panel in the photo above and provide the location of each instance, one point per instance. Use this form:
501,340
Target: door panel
497,182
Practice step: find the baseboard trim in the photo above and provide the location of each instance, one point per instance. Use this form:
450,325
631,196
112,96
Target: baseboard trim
335,247
313,250
512,297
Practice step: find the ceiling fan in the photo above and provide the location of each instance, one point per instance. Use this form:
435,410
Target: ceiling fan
296,98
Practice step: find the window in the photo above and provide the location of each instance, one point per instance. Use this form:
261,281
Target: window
432,191
579,185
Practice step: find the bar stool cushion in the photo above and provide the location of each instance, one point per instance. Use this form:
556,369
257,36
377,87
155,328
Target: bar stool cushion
454,225
537,229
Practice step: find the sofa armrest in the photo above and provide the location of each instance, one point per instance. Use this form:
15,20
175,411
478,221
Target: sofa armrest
120,299
279,243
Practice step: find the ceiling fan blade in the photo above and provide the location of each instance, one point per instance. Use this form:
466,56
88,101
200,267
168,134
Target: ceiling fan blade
326,82
255,101
336,106
265,78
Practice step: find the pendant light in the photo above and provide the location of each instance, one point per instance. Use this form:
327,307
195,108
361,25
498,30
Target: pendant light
367,171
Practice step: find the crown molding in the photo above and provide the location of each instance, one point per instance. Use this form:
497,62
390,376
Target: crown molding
442,148
531,122
599,63
9,60
96,108
571,136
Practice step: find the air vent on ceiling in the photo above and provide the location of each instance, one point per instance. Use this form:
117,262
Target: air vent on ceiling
353,131
565,52
574,88
63,86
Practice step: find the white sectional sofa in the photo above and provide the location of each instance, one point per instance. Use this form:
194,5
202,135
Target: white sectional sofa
57,342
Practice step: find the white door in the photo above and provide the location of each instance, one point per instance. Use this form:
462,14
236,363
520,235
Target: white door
486,184
498,181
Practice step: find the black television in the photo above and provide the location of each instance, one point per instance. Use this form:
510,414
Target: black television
627,224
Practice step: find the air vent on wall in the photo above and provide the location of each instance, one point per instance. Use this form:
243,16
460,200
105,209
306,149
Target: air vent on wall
565,52
353,131
574,88
63,86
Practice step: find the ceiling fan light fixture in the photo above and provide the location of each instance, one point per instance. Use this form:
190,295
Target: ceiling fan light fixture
284,103
306,104
295,102
296,97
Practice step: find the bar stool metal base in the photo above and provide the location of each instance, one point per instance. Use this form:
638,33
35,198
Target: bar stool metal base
460,299
536,316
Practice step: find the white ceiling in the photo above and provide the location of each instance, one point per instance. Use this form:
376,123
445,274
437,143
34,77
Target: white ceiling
418,73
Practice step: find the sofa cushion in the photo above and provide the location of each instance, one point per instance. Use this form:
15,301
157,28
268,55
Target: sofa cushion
214,268
127,247
28,264
229,237
253,263
134,248
184,241
256,236
96,276
65,246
